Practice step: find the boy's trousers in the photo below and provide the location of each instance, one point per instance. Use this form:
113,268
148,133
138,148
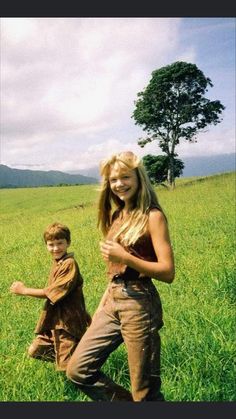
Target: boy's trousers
131,314
54,346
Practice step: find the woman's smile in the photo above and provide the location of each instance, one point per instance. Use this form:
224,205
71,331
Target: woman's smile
124,184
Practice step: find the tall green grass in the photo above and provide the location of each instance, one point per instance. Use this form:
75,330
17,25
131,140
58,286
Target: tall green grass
198,336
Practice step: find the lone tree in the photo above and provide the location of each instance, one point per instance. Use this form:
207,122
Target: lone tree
173,107
157,167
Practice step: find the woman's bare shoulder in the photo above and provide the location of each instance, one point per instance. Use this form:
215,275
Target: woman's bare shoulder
156,215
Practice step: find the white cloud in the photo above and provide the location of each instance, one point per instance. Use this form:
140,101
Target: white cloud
76,73
211,142
69,85
188,55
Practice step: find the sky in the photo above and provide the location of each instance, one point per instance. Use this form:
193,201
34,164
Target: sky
69,85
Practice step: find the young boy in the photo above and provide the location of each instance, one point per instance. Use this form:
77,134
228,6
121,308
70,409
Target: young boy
64,318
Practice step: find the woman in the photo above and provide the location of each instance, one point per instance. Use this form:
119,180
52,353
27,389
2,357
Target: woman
136,248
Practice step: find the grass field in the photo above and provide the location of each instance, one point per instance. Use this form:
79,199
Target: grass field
198,338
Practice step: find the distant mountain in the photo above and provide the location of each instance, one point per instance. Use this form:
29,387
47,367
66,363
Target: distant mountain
208,165
17,178
91,171
194,166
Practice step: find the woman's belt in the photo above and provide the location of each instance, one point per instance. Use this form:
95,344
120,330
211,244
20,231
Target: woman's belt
122,278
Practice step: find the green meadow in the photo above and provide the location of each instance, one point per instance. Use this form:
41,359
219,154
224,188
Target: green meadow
198,337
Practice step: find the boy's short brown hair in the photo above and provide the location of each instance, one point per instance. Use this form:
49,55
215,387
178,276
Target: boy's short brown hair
56,231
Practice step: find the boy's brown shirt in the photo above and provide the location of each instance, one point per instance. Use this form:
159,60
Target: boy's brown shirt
65,305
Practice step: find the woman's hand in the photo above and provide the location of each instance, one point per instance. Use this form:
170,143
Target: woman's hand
113,251
18,287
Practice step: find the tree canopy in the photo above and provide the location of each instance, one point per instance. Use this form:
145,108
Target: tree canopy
173,107
157,167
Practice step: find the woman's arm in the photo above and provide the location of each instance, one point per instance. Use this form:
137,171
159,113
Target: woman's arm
163,269
19,288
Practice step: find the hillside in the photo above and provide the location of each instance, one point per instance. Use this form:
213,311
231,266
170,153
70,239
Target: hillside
17,178
208,165
193,166
198,307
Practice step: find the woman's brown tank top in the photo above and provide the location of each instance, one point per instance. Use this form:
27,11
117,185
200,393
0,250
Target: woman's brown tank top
143,249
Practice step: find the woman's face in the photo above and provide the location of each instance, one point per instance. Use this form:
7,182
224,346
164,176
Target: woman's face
124,183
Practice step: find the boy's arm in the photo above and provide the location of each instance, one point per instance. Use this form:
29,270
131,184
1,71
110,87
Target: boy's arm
19,288
64,281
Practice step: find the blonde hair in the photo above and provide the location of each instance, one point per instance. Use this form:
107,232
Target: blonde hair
135,225
56,231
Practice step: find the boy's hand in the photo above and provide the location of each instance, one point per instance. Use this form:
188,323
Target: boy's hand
17,287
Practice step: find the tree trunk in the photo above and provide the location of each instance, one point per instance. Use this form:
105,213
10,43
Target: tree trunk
170,174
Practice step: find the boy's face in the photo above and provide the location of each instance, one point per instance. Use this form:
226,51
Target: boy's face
57,248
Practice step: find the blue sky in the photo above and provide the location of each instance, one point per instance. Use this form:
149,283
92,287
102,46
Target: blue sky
68,85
